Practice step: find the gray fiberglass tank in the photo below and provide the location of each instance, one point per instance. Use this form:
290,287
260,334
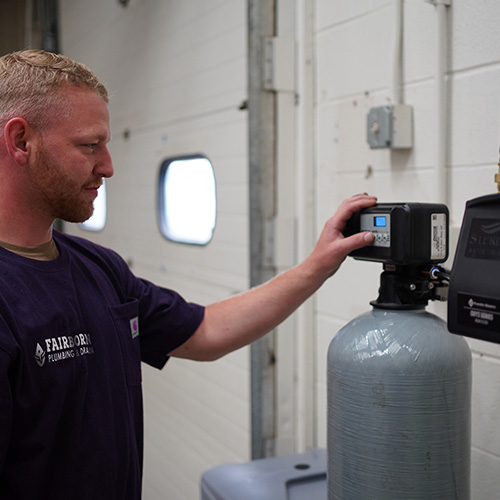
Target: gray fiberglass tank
399,389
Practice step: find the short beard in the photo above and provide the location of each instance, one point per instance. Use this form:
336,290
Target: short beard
58,193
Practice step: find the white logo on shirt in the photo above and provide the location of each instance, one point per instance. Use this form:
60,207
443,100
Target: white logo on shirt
39,355
64,347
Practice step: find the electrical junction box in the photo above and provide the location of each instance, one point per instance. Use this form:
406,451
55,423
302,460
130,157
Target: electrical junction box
405,233
390,127
474,291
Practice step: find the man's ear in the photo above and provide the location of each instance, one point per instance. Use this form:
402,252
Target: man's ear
18,135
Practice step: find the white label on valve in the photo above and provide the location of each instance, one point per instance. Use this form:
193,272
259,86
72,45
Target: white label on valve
438,236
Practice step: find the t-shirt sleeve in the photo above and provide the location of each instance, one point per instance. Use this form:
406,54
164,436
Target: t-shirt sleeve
166,321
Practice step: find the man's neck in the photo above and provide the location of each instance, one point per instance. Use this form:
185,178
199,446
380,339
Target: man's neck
23,227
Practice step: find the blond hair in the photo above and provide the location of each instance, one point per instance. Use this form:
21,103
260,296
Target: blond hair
30,81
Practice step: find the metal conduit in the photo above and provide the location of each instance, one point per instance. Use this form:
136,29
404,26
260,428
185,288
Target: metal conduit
262,178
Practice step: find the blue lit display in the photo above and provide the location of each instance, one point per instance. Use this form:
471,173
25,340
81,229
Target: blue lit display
380,221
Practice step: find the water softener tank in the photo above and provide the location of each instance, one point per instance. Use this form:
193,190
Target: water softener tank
399,388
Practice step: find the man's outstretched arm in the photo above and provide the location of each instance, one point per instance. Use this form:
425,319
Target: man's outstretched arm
242,319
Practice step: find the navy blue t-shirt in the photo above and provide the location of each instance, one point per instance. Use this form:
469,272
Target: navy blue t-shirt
73,332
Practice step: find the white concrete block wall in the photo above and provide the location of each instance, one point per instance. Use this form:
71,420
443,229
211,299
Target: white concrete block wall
354,47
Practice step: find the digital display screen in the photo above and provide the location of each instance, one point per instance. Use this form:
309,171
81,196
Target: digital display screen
380,221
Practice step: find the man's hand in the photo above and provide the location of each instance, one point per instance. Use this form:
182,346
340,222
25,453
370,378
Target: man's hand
332,247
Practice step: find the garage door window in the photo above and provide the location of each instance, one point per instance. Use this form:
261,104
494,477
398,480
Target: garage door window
187,200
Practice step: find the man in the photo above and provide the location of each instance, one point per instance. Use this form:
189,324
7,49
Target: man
74,322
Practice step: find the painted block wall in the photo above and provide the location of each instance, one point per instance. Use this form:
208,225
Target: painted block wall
176,72
354,43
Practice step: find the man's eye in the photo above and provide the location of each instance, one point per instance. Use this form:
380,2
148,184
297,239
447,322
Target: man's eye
92,146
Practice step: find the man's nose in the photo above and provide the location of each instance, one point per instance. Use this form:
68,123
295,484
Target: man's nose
104,165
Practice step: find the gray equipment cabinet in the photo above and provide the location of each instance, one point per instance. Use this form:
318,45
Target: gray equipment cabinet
293,477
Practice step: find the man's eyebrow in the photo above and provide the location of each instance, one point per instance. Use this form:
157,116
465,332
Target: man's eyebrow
96,135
